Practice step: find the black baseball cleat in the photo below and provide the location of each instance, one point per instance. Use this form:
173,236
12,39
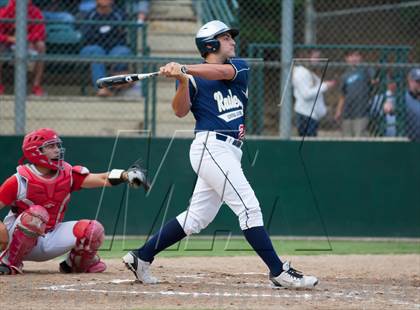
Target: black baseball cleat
292,278
5,270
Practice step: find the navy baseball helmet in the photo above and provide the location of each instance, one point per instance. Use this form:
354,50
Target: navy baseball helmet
206,36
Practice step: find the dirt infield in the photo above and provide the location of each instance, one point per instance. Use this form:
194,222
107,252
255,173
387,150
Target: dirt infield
346,282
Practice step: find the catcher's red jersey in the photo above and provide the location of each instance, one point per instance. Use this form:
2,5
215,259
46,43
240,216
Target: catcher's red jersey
51,193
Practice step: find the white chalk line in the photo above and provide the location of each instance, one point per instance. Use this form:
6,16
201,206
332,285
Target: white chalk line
190,276
73,288
202,275
119,281
221,283
353,295
180,293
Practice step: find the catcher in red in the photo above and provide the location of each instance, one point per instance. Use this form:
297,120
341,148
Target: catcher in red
38,194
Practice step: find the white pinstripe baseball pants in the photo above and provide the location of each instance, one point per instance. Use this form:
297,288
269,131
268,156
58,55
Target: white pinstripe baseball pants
220,179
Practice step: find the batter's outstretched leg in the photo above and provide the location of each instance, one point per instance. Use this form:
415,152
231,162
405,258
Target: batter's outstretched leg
281,274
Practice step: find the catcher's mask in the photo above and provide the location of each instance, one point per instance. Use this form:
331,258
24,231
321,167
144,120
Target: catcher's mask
32,148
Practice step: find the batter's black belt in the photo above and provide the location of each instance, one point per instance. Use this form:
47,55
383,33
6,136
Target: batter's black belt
233,141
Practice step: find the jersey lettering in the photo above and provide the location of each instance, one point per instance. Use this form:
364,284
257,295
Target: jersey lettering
230,116
227,103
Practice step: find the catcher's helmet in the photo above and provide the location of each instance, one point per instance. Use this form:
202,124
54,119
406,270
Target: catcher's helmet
206,36
32,148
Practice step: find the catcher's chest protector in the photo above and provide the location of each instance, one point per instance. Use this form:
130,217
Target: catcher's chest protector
53,194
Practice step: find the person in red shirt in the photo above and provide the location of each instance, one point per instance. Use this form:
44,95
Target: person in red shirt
38,194
36,40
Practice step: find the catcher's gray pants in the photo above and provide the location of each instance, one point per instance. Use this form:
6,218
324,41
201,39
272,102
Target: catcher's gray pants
54,244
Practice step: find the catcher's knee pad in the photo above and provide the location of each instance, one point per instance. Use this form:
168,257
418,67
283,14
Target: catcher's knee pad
89,233
89,237
31,224
192,223
33,220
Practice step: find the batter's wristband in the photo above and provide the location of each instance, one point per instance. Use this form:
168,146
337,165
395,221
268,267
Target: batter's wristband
115,177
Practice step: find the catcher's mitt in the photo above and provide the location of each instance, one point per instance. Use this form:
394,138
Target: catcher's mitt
4,236
136,176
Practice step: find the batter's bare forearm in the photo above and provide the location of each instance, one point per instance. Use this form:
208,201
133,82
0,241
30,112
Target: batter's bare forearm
212,71
181,100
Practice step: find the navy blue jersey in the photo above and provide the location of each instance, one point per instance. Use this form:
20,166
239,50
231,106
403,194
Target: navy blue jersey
219,105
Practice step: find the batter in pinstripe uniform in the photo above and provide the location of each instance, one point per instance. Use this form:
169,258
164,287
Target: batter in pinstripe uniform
216,92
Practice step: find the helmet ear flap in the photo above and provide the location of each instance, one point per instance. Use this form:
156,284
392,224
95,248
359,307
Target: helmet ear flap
215,45
207,46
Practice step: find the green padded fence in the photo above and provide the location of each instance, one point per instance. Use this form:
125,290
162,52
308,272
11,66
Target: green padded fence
361,188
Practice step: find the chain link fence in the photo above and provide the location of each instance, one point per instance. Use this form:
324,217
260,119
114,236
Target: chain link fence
355,59
361,50
69,45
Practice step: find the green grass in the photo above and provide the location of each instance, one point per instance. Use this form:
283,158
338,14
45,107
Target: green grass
239,247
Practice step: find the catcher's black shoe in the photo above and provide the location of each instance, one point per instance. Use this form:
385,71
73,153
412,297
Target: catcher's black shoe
5,270
65,268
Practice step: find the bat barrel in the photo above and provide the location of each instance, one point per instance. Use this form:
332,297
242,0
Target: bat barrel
123,79
113,81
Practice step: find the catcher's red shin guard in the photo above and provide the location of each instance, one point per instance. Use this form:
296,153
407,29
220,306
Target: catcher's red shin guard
31,224
83,257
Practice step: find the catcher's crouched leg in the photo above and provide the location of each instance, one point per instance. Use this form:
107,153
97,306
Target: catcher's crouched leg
30,225
83,257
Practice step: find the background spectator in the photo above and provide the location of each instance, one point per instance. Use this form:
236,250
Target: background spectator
105,39
305,89
412,104
56,10
141,8
382,113
87,5
36,40
353,105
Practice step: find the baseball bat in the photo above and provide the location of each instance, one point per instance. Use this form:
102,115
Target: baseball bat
114,80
